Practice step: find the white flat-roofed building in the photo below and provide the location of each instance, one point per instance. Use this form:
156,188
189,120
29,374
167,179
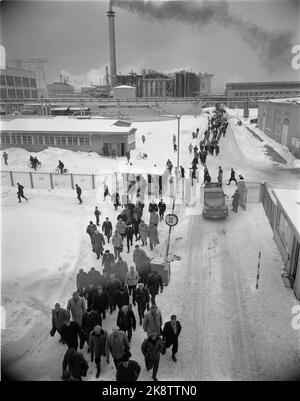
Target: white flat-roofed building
85,134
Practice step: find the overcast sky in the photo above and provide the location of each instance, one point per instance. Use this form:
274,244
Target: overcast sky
235,41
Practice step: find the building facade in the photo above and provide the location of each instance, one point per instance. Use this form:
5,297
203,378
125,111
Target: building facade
59,88
187,84
287,233
205,84
280,120
78,134
261,90
16,84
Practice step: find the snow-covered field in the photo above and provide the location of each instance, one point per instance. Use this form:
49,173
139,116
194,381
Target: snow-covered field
230,330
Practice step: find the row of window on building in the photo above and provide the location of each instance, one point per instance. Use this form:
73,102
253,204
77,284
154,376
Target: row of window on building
266,93
18,93
10,80
23,139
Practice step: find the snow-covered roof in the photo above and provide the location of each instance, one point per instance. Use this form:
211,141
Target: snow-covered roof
62,124
289,200
124,86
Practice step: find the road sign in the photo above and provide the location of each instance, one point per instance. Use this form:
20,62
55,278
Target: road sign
171,220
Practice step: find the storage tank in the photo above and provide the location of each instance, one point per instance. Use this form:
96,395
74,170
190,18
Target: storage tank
124,92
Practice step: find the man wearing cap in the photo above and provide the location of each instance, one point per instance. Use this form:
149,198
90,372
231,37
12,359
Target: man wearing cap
59,316
108,261
153,321
76,306
141,298
97,345
90,230
107,228
171,333
151,349
126,320
98,242
81,281
154,283
90,319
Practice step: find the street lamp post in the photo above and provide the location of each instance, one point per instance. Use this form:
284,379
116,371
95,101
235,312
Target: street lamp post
178,141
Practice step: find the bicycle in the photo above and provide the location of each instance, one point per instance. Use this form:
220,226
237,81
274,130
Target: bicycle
141,155
38,165
57,171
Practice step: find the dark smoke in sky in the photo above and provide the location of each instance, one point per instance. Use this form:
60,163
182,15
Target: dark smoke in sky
273,48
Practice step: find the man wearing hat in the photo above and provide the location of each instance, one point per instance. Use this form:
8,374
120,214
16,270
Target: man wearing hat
126,320
97,347
76,305
59,316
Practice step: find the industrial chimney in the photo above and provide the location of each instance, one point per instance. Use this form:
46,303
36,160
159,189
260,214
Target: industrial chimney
112,45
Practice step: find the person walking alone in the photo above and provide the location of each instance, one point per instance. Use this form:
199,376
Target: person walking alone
98,242
117,244
97,215
20,193
162,208
107,228
170,334
232,177
131,280
5,157
79,191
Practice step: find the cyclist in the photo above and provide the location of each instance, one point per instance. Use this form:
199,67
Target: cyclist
61,166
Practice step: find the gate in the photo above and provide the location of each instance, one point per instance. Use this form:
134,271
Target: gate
253,193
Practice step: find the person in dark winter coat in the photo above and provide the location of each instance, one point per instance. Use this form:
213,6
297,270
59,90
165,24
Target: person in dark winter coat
153,236
154,283
78,191
89,293
20,193
100,301
151,349
90,230
121,269
59,317
97,346
5,157
122,297
220,176
217,148
70,332
98,242
235,201
126,320
94,277
118,346
136,224
108,261
142,263
67,377
129,231
141,298
116,200
232,177
81,281
74,361
113,286
162,208
107,228
128,371
153,207
117,242
97,215
171,333
90,319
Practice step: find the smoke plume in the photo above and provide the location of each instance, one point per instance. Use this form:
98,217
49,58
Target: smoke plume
272,48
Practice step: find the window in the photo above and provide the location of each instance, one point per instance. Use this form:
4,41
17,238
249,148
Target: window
58,140
27,93
20,94
35,140
70,141
13,139
26,82
64,141
87,141
24,138
51,140
18,138
18,81
251,93
296,142
10,80
2,80
41,140
81,141
33,82
75,141
284,229
11,93
3,93
47,142
34,94
5,139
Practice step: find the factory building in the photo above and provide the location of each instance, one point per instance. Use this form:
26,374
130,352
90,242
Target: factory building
280,120
186,83
57,89
78,134
124,92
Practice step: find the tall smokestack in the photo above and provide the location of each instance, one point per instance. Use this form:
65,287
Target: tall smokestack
112,45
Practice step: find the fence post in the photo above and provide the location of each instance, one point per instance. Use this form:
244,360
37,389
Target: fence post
93,181
12,179
72,182
31,179
51,181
